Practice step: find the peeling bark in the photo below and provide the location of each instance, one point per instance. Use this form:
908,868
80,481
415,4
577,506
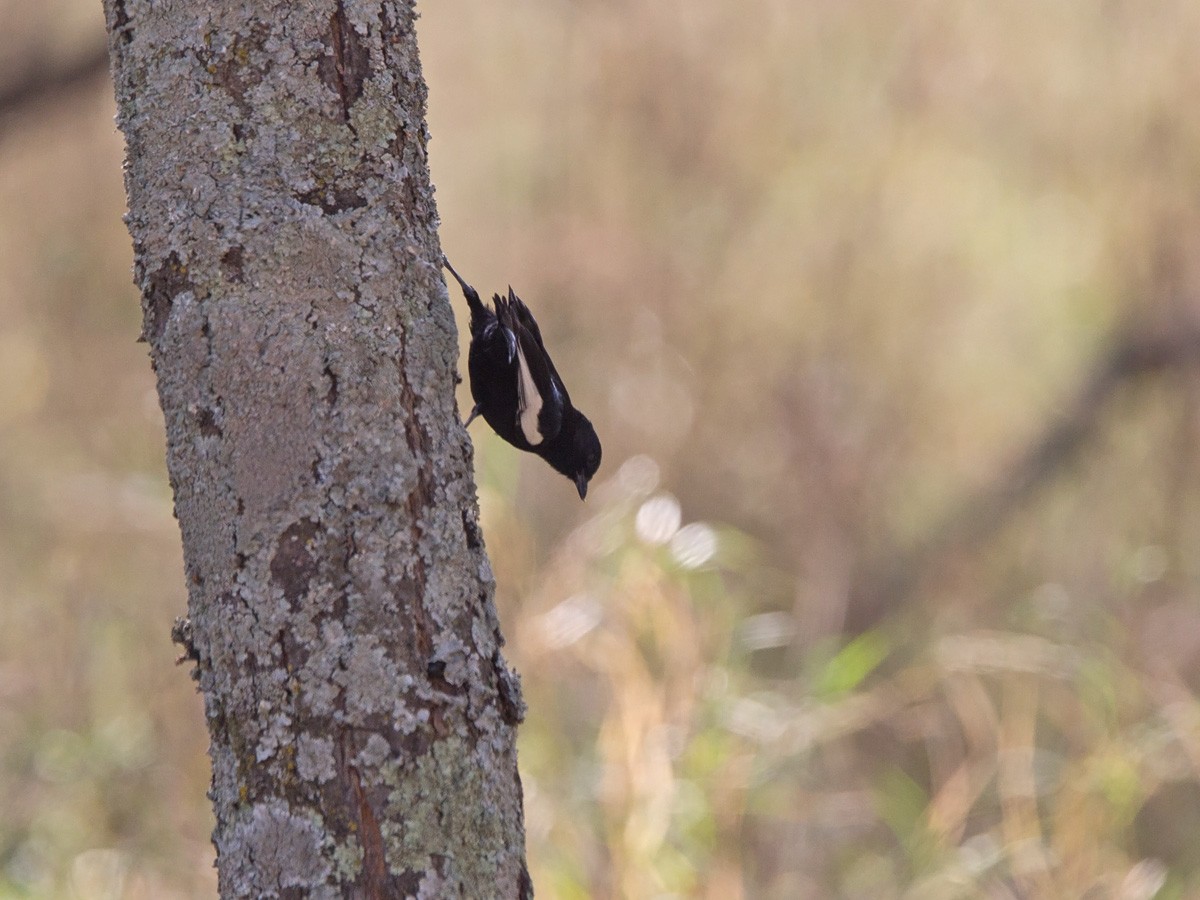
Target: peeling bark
341,624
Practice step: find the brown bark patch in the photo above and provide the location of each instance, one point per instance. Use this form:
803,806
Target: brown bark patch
294,564
333,199
233,263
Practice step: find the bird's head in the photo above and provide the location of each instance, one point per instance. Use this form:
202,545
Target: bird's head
575,451
586,455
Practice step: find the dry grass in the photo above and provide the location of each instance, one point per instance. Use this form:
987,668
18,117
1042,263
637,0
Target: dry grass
817,271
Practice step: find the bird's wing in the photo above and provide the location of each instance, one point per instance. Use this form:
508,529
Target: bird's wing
521,313
539,397
525,317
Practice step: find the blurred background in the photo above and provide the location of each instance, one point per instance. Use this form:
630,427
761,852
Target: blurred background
889,318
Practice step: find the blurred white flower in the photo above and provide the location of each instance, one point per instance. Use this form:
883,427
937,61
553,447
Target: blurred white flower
694,545
1144,880
773,629
658,519
571,620
638,475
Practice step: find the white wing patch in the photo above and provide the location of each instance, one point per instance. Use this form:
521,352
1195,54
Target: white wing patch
529,400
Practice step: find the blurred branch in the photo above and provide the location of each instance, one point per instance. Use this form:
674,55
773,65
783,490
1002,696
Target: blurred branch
980,515
40,80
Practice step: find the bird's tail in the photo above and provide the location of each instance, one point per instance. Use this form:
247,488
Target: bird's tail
473,301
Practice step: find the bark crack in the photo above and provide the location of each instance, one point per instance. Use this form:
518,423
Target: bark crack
166,283
350,63
418,442
375,876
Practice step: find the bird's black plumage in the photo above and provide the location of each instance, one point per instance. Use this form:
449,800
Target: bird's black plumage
518,391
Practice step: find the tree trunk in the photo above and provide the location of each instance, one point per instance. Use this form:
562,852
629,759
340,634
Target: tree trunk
341,622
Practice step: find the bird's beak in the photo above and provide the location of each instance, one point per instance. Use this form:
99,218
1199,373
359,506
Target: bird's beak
581,483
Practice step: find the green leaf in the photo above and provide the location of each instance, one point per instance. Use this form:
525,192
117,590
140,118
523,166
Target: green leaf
852,664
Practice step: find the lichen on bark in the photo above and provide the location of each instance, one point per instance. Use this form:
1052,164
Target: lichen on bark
341,623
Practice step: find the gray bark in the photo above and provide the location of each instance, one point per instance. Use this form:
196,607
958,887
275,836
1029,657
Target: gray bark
362,719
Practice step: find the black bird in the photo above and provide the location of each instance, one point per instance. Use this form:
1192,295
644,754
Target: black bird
518,391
